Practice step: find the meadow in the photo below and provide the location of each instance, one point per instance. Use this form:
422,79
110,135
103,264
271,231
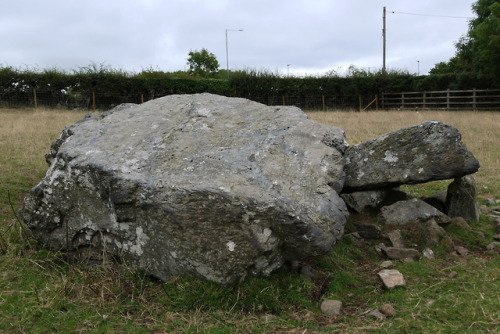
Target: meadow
42,291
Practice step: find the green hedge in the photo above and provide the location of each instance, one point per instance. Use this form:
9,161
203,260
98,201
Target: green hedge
112,87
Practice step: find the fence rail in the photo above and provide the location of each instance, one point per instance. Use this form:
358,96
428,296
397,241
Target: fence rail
475,99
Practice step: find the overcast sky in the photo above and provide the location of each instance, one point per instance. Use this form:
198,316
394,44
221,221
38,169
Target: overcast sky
313,36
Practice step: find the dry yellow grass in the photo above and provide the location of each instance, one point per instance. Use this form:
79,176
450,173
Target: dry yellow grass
26,135
480,133
25,138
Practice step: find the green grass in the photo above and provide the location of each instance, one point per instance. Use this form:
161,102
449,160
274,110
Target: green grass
42,291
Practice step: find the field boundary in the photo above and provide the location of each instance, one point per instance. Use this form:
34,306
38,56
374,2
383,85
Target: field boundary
472,99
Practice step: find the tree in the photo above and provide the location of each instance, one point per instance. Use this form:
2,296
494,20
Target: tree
202,63
479,50
485,44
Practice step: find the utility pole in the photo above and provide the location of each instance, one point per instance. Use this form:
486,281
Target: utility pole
383,37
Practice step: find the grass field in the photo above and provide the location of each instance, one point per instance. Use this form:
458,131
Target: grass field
41,292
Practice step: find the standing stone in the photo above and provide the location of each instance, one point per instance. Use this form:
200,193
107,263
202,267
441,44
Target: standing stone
202,185
418,154
461,200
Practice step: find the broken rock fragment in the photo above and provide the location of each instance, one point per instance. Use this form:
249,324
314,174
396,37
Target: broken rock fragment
391,278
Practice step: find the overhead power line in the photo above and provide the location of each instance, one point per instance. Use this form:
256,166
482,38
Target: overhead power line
432,15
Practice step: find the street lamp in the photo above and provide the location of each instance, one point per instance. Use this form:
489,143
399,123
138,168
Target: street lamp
227,54
288,69
418,67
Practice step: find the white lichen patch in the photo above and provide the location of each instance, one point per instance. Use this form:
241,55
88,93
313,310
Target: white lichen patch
140,241
389,157
230,246
360,175
264,235
420,170
203,112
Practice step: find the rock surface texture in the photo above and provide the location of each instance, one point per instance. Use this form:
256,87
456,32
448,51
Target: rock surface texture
425,152
204,185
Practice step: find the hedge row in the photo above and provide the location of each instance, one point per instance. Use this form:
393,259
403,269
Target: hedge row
115,86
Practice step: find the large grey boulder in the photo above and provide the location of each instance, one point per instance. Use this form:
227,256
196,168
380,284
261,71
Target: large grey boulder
425,152
201,184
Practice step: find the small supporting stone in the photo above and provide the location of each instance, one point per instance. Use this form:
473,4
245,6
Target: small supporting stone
461,200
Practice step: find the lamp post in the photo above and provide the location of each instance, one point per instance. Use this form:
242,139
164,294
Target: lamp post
418,67
288,69
227,53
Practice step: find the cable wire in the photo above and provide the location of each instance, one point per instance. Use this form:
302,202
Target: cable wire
432,15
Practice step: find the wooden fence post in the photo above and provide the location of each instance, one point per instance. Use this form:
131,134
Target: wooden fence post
402,100
448,99
376,102
93,100
283,99
324,108
360,105
34,96
474,99
423,102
